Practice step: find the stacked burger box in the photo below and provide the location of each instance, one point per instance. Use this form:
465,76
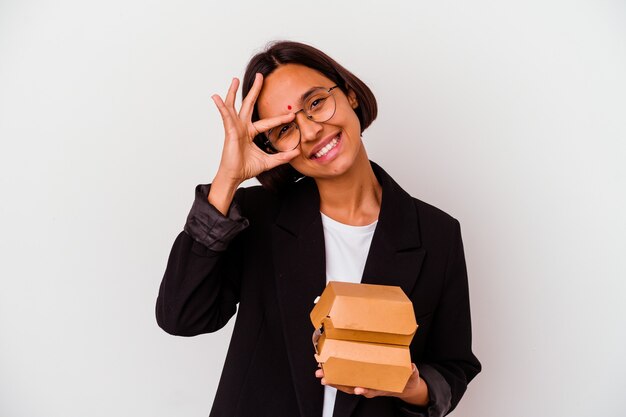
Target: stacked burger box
362,335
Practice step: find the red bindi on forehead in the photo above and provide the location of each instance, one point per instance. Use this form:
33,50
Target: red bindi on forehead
289,107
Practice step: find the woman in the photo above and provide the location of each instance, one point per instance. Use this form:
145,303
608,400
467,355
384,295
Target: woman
324,212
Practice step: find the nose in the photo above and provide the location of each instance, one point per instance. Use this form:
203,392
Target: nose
309,129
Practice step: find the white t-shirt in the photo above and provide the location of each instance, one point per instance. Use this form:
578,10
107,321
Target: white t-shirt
346,252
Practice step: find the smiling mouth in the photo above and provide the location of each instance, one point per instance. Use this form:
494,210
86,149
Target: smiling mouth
328,147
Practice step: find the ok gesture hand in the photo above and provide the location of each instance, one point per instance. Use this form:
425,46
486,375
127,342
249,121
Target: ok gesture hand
241,157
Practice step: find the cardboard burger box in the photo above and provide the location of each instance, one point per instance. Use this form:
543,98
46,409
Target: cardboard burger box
362,335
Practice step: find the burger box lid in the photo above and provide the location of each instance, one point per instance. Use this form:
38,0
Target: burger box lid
362,334
365,312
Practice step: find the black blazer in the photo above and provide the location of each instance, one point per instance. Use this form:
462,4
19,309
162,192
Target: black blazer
275,268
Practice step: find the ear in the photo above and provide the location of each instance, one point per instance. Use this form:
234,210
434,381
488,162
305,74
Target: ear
352,99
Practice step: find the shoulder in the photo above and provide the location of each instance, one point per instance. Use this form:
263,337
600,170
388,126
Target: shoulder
432,214
259,203
434,225
437,227
399,196
255,199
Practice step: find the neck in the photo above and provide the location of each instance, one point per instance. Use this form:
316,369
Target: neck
353,198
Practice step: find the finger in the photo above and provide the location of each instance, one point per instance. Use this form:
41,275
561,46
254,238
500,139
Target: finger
369,393
342,388
280,159
232,94
226,116
319,373
247,106
264,125
360,391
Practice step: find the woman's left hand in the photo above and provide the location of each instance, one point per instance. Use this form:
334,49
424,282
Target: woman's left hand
415,392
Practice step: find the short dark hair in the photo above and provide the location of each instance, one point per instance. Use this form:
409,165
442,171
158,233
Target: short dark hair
287,52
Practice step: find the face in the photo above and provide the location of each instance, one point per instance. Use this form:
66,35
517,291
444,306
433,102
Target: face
327,149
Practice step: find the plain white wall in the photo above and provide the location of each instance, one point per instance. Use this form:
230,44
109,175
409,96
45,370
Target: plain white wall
511,116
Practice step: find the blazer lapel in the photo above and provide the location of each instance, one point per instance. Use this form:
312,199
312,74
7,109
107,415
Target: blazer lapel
300,269
395,256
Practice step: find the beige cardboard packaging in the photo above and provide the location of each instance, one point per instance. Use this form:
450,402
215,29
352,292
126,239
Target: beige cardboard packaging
362,335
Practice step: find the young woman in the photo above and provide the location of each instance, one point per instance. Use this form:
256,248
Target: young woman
324,212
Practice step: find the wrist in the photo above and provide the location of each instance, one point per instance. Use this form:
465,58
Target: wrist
416,395
222,193
226,182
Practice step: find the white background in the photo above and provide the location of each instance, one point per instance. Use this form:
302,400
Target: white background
511,116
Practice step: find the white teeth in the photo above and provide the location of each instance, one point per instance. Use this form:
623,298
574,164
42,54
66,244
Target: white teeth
327,148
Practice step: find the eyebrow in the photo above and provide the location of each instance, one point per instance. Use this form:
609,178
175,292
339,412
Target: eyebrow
308,93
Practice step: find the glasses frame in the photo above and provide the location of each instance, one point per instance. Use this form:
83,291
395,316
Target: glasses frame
268,144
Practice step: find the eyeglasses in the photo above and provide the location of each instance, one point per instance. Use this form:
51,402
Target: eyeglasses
319,107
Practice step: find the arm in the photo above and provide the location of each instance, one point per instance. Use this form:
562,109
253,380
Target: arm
448,356
448,363
200,288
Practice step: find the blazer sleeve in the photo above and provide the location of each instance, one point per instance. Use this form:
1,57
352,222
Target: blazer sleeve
200,288
438,391
449,346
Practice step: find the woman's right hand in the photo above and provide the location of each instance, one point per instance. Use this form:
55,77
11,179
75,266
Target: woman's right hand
241,157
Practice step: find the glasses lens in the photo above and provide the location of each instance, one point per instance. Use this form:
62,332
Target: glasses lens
284,137
320,106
